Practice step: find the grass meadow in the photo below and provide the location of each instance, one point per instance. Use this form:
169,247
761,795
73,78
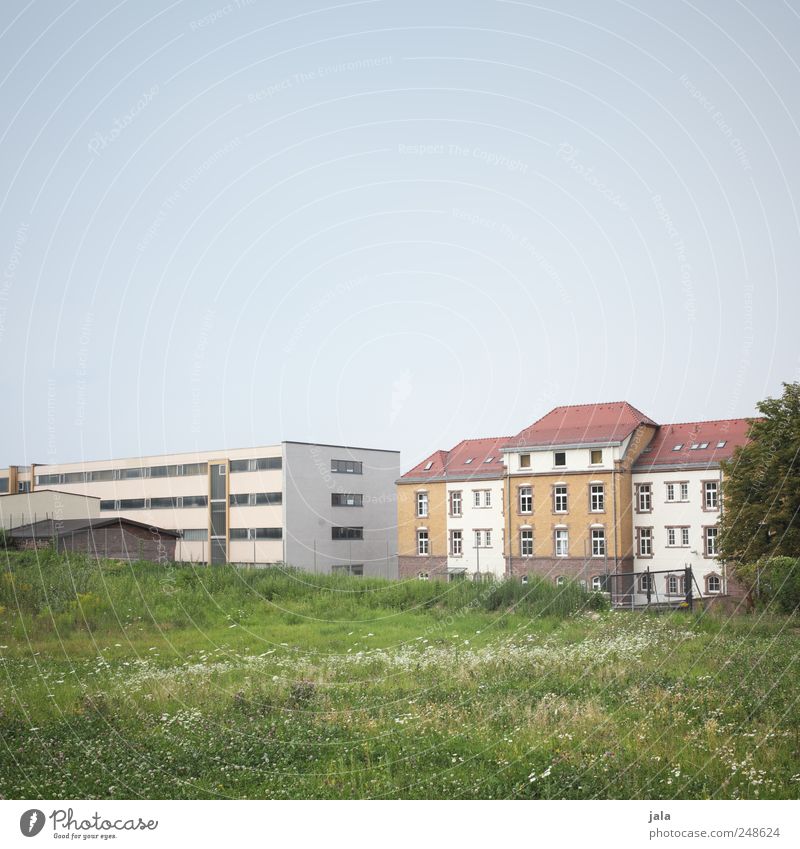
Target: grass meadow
140,680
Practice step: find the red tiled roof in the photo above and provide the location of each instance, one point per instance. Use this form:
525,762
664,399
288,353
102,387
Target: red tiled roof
579,424
662,449
454,462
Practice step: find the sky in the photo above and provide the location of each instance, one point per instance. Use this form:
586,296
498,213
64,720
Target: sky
389,223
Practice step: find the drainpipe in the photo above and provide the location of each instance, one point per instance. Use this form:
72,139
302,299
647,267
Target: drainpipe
614,493
508,518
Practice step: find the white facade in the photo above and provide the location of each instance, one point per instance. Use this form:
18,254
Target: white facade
475,533
679,528
231,505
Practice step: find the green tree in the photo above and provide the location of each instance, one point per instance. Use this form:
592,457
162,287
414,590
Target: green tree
762,485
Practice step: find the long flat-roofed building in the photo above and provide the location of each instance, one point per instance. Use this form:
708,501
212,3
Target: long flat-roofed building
313,506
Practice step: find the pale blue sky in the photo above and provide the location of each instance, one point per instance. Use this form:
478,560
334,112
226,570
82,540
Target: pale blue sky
392,224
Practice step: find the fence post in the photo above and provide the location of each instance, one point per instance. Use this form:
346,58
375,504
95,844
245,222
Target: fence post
649,586
687,578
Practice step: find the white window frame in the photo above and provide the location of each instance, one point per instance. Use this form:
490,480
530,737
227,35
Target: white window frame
456,500
597,498
561,540
423,543
526,542
598,542
525,496
558,495
456,543
422,505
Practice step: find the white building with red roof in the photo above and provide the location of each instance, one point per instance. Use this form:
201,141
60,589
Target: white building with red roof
677,502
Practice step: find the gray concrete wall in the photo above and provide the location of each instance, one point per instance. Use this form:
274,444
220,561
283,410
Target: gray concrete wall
309,516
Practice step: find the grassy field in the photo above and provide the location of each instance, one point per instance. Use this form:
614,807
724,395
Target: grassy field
127,681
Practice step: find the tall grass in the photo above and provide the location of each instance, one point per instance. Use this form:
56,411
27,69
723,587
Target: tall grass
66,592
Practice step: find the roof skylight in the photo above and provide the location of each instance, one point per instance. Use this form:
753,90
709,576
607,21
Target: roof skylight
428,465
695,446
677,447
488,460
468,460
722,443
704,445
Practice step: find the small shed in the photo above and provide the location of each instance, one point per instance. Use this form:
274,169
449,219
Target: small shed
117,538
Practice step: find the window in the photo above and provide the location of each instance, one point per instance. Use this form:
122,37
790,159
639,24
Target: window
711,542
685,491
423,544
347,467
195,534
23,486
597,498
488,460
189,469
644,501
108,504
347,499
41,480
597,457
713,584
685,537
645,542
124,474
526,542
269,498
560,580
3,484
710,495
103,475
456,543
428,466
670,492
483,538
645,582
455,503
243,499
423,576
598,542
672,584
722,443
562,542
132,504
422,504
525,499
597,583
354,569
482,498
677,447
256,533
559,499
194,501
468,460
459,575
347,533
703,445
524,580
559,458
524,461
163,503
671,536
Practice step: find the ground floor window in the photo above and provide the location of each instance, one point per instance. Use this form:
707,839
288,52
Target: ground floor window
645,583
423,576
560,580
356,569
713,584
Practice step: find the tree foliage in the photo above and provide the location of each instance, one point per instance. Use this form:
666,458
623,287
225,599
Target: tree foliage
762,485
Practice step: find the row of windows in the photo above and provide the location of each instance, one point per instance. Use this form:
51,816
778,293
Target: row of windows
182,502
483,498
677,491
560,459
170,471
482,538
255,533
677,537
201,534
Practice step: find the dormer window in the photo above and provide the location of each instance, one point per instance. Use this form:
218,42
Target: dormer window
524,461
559,458
597,457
